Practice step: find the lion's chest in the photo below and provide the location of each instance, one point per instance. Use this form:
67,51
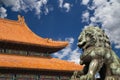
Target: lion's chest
95,52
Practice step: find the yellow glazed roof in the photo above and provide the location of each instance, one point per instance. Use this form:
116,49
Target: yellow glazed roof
40,63
18,32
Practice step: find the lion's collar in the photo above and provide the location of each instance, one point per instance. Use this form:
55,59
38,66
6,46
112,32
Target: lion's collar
88,50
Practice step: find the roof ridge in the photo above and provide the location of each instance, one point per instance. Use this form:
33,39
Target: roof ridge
17,31
20,20
12,61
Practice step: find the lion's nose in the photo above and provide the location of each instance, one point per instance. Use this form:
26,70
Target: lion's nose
79,45
80,39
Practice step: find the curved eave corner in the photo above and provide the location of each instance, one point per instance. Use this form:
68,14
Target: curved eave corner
18,32
55,44
49,43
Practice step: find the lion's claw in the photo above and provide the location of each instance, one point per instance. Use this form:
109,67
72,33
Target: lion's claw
110,78
87,77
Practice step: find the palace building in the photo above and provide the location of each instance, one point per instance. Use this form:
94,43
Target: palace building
26,56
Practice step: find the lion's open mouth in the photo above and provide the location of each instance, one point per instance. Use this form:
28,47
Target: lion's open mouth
81,44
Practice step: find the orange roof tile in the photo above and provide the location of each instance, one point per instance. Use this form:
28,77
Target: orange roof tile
18,32
14,61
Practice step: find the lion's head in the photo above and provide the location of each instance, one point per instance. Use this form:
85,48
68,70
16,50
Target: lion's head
93,36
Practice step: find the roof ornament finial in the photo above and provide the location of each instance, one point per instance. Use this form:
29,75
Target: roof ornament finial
21,19
48,39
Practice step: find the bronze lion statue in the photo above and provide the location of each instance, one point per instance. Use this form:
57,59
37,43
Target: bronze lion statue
97,57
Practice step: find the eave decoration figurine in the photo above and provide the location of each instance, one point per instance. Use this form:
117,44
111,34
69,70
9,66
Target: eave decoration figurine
97,56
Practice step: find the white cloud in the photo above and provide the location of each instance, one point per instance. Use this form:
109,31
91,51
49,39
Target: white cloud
14,4
27,5
85,2
60,3
74,55
65,5
39,6
107,13
3,12
85,16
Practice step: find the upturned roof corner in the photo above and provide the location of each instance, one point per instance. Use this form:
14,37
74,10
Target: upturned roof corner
21,19
12,31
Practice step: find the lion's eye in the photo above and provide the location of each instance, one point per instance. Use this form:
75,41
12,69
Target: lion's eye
100,35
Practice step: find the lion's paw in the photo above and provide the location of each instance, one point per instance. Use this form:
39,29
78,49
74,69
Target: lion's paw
87,77
110,78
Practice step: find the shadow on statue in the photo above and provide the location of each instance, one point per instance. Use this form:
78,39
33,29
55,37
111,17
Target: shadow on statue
97,56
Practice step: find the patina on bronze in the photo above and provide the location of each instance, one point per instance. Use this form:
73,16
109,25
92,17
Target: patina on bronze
97,57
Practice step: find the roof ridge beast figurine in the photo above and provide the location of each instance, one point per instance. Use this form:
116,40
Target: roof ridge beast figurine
98,56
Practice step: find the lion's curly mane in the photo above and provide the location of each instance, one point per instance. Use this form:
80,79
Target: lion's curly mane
97,36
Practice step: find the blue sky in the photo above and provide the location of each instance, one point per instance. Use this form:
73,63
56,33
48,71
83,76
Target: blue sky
65,19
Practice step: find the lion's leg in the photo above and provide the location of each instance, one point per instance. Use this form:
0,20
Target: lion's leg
94,67
77,74
103,72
